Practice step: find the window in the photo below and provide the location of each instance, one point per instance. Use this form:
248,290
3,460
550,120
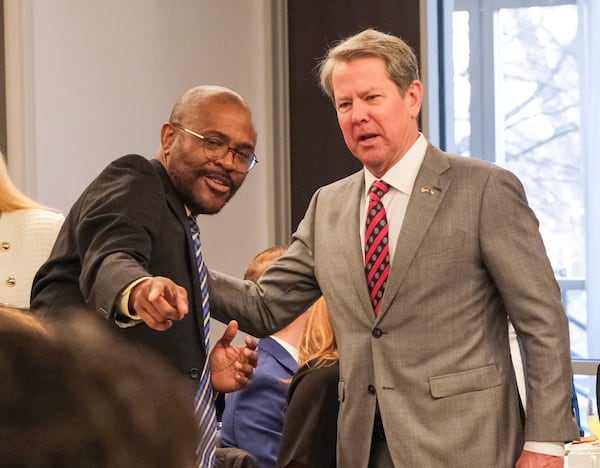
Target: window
518,91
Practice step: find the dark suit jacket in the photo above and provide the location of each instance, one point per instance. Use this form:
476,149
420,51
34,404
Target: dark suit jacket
310,427
253,416
436,359
129,222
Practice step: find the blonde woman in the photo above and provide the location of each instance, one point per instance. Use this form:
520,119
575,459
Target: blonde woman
310,426
27,233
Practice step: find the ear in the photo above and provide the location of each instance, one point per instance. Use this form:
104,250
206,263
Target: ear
414,98
167,136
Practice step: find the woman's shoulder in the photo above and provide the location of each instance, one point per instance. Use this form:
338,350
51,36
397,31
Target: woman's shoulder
39,218
308,377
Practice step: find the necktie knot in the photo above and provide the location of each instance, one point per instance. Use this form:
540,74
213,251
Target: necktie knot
378,189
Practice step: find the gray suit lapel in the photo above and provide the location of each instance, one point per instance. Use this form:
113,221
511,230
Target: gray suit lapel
428,192
353,247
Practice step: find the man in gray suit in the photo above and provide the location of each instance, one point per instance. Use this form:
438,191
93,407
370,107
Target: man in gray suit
428,380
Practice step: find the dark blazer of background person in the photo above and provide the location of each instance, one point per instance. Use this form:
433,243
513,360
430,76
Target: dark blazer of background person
310,431
131,207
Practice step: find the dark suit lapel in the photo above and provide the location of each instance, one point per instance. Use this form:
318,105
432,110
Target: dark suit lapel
177,207
428,192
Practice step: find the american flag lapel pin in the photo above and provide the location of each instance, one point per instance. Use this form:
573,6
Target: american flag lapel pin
430,190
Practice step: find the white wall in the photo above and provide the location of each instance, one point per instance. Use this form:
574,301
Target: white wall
102,76
93,80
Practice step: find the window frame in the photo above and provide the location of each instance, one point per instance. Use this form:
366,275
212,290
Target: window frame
484,120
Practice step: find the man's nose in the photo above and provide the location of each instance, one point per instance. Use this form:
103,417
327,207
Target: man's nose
360,111
227,161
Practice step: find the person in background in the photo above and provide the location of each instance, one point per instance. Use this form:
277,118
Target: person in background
421,257
74,394
130,248
253,416
14,318
310,425
27,233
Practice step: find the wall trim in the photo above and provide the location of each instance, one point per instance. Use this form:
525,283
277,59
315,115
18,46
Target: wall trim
19,90
281,125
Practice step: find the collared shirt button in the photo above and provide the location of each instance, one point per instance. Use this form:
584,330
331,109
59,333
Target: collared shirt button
371,389
194,373
5,246
11,281
376,333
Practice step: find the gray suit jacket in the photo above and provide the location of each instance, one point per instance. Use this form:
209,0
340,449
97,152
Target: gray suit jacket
436,359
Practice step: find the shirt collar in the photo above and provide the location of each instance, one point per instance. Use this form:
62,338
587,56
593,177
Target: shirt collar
402,175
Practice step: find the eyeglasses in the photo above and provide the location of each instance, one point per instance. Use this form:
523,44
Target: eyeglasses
215,148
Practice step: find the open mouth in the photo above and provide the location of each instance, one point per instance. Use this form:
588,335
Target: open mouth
218,182
367,137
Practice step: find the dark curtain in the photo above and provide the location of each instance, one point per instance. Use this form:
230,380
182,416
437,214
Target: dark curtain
318,153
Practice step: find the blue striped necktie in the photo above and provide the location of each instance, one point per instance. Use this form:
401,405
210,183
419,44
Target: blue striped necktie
204,407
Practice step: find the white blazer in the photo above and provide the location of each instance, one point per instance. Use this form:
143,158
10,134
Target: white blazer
26,239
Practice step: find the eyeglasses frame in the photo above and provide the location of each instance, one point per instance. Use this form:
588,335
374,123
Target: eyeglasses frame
234,151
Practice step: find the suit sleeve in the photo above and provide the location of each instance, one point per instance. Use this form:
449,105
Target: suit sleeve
117,226
515,256
285,290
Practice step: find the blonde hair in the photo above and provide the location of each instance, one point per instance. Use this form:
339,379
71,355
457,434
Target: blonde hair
11,198
317,347
262,261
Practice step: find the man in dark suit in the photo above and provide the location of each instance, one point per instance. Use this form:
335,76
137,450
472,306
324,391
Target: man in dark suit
426,377
126,249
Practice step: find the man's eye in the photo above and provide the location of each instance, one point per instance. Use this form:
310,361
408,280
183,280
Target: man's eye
213,143
245,156
343,106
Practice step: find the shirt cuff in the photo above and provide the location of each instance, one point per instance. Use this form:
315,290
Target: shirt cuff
547,448
124,316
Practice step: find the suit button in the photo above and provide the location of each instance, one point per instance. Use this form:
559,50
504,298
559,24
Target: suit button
376,333
11,281
5,246
371,389
194,373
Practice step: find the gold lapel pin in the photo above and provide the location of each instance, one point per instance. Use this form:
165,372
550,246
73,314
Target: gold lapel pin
429,190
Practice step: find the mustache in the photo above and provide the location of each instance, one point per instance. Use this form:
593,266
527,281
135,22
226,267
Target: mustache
223,177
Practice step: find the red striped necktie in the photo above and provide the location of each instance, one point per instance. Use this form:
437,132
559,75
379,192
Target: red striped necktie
377,250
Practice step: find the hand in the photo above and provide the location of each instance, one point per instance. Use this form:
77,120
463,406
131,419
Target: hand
539,460
231,367
158,301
